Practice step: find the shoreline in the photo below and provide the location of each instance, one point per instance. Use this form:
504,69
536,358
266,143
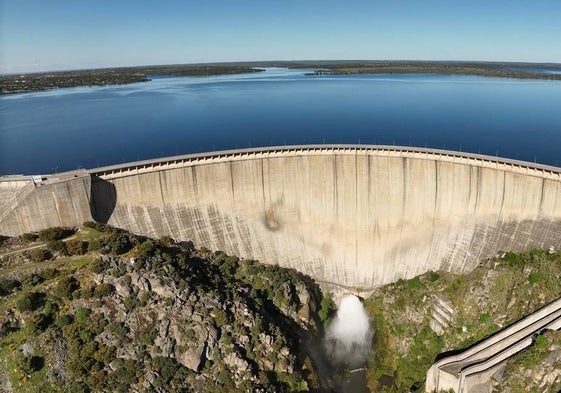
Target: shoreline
43,81
484,72
27,83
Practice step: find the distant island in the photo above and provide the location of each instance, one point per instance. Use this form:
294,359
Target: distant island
500,70
21,83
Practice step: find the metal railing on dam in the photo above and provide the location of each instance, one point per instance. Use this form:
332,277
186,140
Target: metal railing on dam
357,216
253,153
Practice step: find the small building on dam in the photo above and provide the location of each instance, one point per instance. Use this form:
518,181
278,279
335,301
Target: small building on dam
354,217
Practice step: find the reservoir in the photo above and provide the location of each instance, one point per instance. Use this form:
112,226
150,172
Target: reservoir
85,127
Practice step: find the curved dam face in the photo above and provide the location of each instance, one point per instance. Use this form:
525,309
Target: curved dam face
354,216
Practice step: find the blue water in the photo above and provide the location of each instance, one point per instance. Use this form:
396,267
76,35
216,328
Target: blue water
536,70
87,127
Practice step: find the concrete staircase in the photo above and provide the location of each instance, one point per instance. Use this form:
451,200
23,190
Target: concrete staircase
471,370
443,314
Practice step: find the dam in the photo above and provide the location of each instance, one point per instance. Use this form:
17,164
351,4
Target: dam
351,216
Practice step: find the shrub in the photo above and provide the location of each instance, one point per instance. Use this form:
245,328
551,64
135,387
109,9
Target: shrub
326,310
97,380
513,259
119,243
3,240
29,363
534,278
29,237
56,233
221,318
64,320
433,276
76,247
95,225
146,249
8,285
50,307
131,302
82,314
66,286
166,369
84,293
32,280
413,283
79,387
99,266
228,265
47,274
126,374
57,246
103,290
166,241
94,245
40,255
39,322
118,329
30,301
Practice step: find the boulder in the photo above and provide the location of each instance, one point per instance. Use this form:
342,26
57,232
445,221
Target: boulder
236,363
160,288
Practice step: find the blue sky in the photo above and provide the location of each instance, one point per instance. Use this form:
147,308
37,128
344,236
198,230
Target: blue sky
38,35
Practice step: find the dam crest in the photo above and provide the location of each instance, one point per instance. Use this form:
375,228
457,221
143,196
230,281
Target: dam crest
355,216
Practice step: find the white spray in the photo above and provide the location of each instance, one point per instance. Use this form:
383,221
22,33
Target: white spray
348,336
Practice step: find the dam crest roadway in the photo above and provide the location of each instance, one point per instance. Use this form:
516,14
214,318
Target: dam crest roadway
350,216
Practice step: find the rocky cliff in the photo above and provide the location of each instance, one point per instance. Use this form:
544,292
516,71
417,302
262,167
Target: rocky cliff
153,315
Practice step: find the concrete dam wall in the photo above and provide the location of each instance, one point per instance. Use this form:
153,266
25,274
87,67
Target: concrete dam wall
28,204
354,216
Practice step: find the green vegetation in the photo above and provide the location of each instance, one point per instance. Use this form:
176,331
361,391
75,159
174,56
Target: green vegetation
92,321
40,255
117,76
499,70
497,293
30,301
526,371
131,312
114,76
56,233
327,309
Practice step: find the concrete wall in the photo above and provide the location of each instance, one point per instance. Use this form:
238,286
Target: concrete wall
353,216
56,203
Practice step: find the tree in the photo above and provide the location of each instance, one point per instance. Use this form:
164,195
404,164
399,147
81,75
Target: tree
119,243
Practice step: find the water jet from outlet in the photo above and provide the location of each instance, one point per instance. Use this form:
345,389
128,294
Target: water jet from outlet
349,335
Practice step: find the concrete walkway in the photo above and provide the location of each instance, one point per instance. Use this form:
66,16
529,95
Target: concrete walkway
472,369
